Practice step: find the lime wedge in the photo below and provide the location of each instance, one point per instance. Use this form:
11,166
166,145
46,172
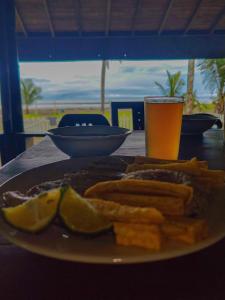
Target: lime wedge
79,215
35,214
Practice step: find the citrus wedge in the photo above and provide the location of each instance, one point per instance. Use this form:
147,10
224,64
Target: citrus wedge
35,214
79,215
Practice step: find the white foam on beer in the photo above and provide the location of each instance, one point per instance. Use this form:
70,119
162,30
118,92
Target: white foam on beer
159,99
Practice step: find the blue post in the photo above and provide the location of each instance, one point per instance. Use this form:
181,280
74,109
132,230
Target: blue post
11,143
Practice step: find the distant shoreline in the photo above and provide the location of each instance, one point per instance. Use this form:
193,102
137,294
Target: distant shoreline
59,104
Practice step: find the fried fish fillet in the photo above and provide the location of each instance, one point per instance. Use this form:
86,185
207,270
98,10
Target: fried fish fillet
145,236
124,213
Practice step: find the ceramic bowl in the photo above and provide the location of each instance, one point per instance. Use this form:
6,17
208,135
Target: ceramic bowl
81,141
197,124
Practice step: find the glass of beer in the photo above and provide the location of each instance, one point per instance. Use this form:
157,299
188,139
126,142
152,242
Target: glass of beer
163,120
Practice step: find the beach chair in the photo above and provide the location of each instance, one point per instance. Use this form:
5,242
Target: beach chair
83,120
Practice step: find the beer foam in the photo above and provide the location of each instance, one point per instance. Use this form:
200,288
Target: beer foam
160,99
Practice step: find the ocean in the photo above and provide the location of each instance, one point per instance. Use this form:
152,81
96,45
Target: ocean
85,103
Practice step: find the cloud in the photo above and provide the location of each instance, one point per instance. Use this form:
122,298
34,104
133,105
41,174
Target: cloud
128,79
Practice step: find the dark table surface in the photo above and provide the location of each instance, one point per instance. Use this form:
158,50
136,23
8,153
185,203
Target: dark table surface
201,275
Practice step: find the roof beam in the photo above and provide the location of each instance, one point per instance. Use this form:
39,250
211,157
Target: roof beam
108,16
192,17
134,18
165,16
51,27
18,15
78,9
112,47
217,20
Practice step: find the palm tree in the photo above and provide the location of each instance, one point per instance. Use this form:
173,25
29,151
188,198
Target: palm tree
213,71
195,104
30,93
105,65
190,96
174,85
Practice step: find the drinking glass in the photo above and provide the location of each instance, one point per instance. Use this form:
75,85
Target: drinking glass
163,120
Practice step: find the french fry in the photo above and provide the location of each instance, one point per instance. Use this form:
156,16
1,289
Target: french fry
190,167
185,230
149,160
141,187
215,176
167,205
123,213
146,236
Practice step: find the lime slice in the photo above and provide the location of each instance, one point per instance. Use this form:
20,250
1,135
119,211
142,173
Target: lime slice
79,215
35,214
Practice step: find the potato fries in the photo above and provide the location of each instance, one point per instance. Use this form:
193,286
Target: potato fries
149,160
141,187
167,205
146,236
197,169
123,213
190,167
185,230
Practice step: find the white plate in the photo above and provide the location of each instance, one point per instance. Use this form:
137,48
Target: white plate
58,243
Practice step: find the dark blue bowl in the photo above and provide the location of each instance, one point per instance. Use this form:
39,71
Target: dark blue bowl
196,124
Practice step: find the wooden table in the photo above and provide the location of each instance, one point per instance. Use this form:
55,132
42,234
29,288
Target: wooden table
24,275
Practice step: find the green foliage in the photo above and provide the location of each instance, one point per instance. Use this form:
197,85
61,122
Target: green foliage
29,92
196,105
213,72
174,85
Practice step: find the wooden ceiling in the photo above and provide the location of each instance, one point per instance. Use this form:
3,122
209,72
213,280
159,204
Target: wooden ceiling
117,17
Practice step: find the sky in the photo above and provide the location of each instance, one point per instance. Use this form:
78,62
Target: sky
69,81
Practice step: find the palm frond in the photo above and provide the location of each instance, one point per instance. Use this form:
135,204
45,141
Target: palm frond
161,88
29,91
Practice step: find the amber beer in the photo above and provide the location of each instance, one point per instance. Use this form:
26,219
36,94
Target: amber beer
163,119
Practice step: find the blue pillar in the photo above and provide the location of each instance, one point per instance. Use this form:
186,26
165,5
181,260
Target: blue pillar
11,143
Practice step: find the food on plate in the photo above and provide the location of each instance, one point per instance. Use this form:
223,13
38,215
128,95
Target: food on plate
159,175
149,160
149,202
139,187
167,205
80,181
84,179
14,198
142,235
190,167
79,215
35,214
199,173
187,230
203,180
43,187
169,198
124,213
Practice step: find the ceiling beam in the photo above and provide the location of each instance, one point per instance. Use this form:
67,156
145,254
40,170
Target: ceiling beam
47,10
111,47
165,16
18,15
216,21
193,15
134,18
108,17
